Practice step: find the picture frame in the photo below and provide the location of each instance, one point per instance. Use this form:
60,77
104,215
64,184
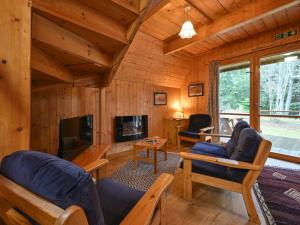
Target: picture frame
160,98
195,90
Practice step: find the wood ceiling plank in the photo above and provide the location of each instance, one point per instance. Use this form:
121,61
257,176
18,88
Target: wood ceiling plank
247,14
51,34
132,5
281,18
270,22
293,13
114,10
48,65
157,6
82,15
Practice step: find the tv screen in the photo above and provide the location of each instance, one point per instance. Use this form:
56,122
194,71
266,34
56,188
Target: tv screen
75,135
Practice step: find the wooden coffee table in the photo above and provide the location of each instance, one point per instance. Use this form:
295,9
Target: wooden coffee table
159,145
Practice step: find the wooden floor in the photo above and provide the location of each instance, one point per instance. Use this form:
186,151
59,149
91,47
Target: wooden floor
210,206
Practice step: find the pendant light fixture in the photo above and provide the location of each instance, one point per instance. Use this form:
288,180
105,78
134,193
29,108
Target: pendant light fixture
187,29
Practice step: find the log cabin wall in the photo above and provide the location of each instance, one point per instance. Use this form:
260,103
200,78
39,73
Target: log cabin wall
15,16
144,70
49,107
254,45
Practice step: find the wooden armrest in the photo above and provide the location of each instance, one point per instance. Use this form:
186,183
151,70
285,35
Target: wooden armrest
203,130
142,212
181,126
220,161
95,165
215,135
10,216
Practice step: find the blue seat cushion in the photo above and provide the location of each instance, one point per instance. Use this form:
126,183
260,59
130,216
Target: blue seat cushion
57,180
117,200
231,144
190,134
216,150
214,170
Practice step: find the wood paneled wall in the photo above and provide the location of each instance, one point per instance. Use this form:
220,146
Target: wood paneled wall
49,107
125,97
146,62
15,16
252,46
143,71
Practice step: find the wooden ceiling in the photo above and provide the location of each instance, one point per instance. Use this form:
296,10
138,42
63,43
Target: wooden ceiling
77,40
83,42
218,21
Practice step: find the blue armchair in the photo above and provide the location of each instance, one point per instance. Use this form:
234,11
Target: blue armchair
198,124
234,167
37,188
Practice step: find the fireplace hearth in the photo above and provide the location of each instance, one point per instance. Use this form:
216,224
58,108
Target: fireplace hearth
130,128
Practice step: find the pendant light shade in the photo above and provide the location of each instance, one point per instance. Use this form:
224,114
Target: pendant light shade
187,30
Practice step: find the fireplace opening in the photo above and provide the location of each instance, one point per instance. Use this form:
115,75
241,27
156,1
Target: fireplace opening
131,127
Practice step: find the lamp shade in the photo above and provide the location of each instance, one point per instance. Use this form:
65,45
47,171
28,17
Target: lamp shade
187,30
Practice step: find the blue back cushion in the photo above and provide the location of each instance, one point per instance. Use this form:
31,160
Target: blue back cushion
57,180
245,150
231,144
199,121
247,146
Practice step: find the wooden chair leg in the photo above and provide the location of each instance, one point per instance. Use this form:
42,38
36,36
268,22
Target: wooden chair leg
252,213
163,206
187,181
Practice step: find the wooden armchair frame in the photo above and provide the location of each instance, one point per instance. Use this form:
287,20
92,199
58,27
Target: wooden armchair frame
245,188
203,138
14,196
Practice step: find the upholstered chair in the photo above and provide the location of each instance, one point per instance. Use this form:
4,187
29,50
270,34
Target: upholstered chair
234,167
198,123
38,188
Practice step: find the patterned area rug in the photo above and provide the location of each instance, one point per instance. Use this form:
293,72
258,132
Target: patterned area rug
278,192
142,177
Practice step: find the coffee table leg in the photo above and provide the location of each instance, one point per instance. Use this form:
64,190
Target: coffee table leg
155,160
148,153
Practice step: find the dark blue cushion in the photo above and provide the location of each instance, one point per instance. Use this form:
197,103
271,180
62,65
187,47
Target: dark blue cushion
216,150
214,170
247,146
189,134
245,150
231,144
57,180
117,200
199,121
208,169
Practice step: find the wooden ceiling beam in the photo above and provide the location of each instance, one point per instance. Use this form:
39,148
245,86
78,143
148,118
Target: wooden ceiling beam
199,11
82,15
49,33
156,7
246,14
46,64
132,5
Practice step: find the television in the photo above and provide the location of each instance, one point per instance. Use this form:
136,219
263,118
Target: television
75,135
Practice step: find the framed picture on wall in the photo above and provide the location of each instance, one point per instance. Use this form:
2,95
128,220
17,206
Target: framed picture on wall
160,98
196,90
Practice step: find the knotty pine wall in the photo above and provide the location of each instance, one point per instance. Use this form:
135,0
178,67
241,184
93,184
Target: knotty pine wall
144,70
124,97
49,107
252,47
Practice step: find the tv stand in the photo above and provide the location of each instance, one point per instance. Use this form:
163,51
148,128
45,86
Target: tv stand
92,158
